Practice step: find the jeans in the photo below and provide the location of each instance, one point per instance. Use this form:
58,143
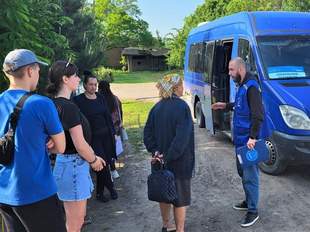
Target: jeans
250,182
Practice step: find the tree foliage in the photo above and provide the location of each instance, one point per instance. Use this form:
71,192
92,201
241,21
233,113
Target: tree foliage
213,9
122,24
76,29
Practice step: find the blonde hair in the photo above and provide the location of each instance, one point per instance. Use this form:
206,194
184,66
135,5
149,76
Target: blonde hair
168,85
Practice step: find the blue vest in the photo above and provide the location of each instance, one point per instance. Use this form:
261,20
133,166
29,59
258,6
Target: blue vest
242,119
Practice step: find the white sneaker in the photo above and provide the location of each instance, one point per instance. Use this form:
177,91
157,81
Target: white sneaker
115,174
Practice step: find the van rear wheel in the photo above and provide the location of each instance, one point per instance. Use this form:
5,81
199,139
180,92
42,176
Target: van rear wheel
276,164
200,118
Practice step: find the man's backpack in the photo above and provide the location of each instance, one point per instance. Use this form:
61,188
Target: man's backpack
7,144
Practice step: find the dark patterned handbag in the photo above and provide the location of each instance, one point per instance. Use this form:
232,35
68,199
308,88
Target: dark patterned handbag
161,185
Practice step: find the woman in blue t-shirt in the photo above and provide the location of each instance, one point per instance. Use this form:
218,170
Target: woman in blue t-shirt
71,169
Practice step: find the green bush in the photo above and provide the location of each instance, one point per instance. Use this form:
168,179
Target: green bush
103,73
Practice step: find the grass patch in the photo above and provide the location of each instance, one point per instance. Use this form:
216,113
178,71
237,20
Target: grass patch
140,77
135,115
136,77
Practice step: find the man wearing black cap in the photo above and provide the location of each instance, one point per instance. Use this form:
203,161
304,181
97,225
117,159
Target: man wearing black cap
28,200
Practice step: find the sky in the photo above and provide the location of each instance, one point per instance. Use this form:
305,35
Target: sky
164,15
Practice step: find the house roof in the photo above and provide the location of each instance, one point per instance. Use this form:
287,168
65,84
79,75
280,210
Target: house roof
135,51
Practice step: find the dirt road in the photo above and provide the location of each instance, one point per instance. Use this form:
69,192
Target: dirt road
284,200
145,91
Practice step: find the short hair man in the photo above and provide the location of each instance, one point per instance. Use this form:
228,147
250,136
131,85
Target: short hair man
248,110
28,200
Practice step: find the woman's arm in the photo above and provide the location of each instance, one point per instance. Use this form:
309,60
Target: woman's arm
148,135
58,143
84,149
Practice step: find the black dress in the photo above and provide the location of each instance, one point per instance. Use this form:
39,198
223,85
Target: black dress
103,140
96,111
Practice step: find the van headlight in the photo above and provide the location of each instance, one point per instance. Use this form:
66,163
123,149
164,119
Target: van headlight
295,118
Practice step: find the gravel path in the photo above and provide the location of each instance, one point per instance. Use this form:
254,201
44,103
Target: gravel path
146,91
284,200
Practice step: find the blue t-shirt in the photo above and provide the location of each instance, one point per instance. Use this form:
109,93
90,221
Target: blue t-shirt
29,178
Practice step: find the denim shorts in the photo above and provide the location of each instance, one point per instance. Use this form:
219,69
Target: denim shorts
72,176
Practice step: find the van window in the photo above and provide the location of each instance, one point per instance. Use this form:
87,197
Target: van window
196,57
285,57
191,58
208,61
245,52
200,58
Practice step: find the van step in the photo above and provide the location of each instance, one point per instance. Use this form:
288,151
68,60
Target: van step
227,133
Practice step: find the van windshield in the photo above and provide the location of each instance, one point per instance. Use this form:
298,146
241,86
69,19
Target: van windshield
285,57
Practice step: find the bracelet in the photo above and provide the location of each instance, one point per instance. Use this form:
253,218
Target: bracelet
94,161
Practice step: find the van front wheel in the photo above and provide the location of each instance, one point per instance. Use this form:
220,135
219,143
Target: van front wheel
276,164
200,118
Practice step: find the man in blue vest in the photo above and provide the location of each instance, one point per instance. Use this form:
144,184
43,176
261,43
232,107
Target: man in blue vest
248,117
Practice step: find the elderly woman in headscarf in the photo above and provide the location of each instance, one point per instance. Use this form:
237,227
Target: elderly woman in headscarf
169,135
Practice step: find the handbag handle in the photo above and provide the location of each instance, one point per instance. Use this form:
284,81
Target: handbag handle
159,164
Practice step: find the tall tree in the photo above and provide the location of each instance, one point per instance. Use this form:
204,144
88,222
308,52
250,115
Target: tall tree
292,5
84,34
30,24
122,24
212,9
209,10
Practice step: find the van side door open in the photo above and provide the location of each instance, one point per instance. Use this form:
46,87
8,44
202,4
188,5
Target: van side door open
221,83
208,69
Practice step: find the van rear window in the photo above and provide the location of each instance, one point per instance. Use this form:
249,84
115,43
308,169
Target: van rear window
285,57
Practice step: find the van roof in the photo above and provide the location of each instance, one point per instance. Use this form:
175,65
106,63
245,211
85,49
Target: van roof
264,22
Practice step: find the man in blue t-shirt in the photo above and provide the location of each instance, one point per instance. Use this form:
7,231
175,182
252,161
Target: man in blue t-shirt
28,200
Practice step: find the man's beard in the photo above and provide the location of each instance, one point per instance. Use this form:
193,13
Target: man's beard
237,79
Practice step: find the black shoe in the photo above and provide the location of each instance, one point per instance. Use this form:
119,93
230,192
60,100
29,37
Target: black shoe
243,206
87,220
102,198
114,194
164,229
250,219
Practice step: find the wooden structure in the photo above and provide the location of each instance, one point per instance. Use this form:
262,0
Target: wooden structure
139,59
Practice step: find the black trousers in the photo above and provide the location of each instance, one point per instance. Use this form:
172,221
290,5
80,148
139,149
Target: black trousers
104,179
112,165
45,215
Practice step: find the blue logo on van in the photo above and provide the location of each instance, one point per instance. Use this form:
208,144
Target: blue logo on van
251,155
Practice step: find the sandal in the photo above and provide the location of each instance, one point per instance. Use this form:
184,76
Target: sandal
172,229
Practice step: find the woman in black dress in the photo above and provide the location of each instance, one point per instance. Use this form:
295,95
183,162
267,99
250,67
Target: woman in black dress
94,107
115,109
